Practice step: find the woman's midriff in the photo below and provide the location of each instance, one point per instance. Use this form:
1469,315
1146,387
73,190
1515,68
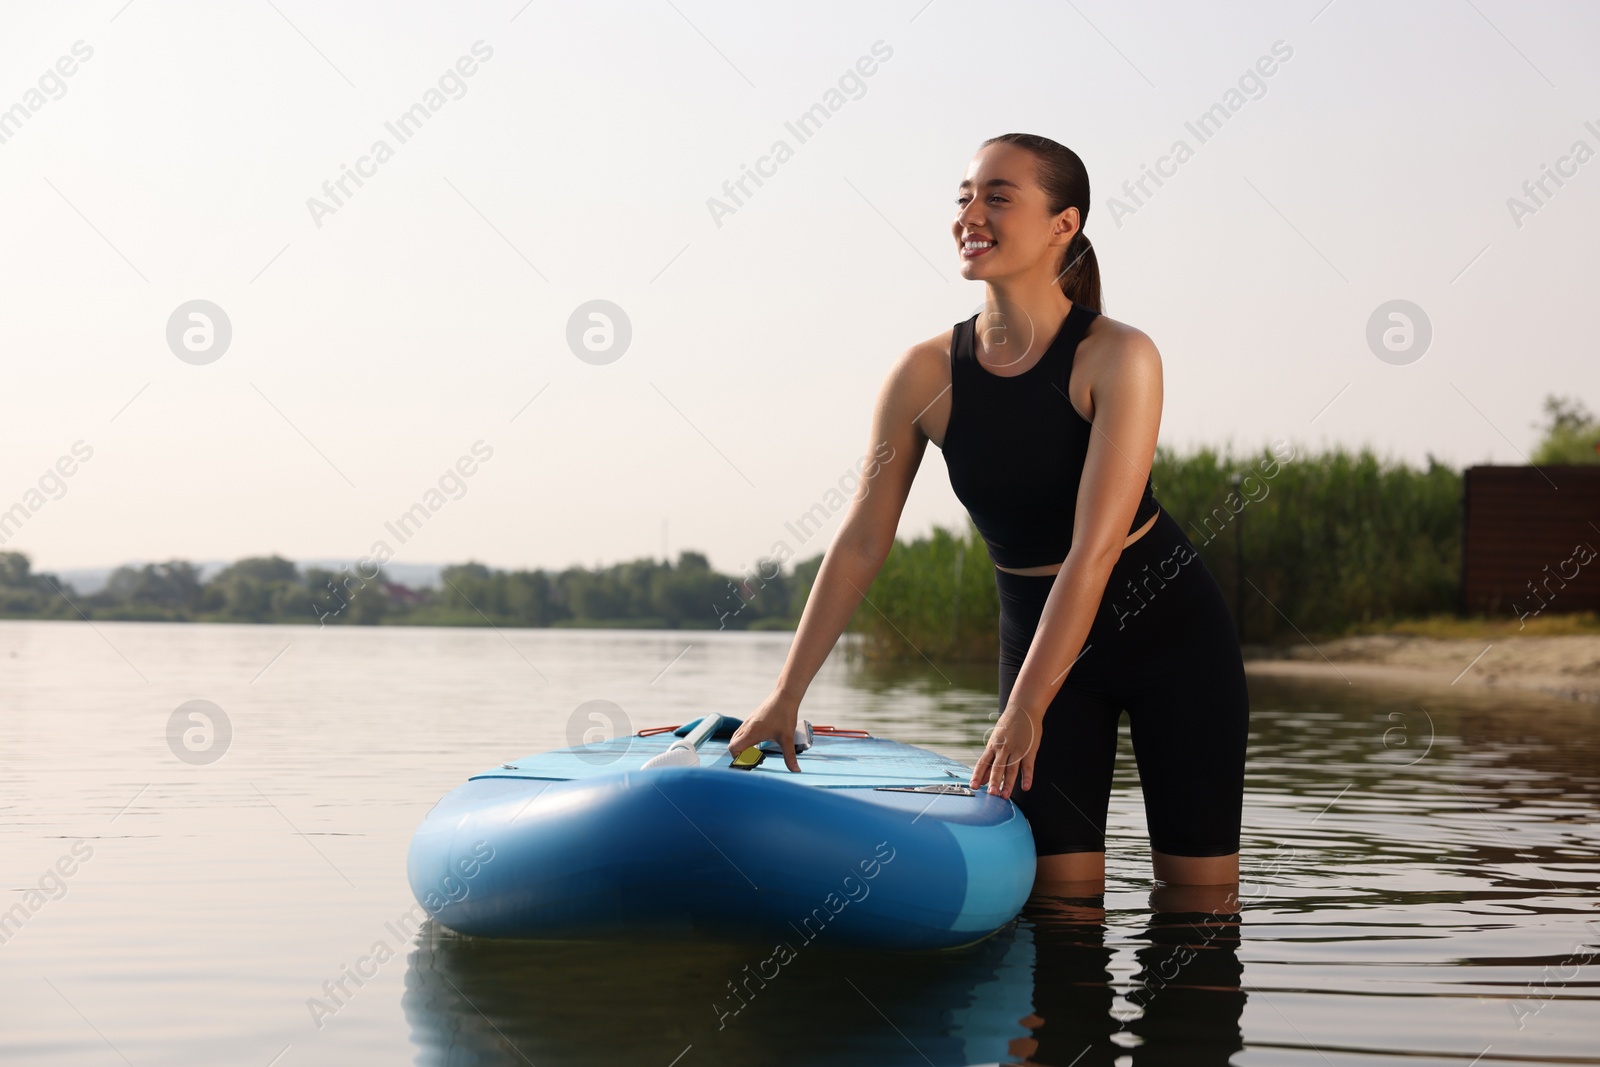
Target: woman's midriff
1053,568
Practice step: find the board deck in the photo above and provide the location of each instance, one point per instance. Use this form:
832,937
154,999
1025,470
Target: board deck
587,844
831,763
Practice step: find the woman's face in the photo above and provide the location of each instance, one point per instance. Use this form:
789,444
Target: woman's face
1003,224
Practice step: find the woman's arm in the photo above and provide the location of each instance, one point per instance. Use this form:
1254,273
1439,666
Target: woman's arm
1126,395
859,547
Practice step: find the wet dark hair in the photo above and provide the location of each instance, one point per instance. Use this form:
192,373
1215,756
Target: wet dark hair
1065,181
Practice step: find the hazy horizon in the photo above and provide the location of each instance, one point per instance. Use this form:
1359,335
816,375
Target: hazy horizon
538,159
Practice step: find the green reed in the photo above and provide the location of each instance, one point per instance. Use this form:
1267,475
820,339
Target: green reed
1299,544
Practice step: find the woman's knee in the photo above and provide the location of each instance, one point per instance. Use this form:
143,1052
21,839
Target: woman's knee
1195,871
1071,867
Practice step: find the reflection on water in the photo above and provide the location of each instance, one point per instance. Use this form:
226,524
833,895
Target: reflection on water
472,1001
1421,873
1183,1006
1039,991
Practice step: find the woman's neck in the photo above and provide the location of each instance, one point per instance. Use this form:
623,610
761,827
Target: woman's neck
1014,327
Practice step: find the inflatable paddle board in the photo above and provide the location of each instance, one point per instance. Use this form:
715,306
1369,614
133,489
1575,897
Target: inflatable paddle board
874,844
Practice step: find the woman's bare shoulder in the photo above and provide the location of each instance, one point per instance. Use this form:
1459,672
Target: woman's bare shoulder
916,383
1112,342
933,350
924,363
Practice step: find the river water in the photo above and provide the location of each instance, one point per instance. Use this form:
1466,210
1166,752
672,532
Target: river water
1421,871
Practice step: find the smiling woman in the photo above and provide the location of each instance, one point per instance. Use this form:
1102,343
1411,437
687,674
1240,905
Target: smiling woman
1047,413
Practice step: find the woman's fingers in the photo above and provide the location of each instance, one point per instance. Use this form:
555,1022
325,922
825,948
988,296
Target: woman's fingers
981,771
745,736
1007,759
753,731
999,770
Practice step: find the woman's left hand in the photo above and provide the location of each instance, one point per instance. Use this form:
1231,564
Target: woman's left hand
1008,757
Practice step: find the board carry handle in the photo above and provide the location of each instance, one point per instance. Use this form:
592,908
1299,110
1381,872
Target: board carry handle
685,751
804,738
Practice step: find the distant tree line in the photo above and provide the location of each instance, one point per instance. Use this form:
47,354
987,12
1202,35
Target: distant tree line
1571,434
1298,543
687,594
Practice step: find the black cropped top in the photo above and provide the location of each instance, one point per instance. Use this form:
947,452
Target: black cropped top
1015,448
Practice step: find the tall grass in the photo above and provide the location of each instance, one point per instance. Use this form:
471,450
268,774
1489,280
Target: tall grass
935,596
1300,544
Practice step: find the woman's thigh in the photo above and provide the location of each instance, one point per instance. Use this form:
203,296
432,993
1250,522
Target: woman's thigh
1189,714
1162,647
1189,737
1067,804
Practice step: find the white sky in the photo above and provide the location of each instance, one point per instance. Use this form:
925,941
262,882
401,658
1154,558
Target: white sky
433,305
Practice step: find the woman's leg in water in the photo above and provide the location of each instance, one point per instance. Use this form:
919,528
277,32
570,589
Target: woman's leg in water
1162,646
1072,874
1189,715
1067,804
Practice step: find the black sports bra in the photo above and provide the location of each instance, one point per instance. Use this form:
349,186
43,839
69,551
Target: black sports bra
1015,448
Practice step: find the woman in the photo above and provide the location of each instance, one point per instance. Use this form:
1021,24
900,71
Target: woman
1047,413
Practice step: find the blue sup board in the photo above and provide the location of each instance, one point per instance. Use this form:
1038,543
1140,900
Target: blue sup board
874,844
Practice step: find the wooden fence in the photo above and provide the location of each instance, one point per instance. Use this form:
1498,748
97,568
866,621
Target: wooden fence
1530,540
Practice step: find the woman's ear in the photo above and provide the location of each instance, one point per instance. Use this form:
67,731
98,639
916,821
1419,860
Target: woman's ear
1067,221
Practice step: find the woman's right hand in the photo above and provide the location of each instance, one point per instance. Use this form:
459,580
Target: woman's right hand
773,720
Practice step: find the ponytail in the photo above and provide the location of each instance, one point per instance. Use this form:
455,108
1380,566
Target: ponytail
1080,274
1065,181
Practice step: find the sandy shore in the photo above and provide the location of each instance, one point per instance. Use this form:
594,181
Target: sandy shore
1567,666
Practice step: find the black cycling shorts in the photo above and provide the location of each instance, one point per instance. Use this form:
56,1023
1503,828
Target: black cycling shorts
1163,649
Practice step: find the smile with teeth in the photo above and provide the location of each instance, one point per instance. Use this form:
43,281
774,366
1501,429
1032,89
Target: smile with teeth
974,247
